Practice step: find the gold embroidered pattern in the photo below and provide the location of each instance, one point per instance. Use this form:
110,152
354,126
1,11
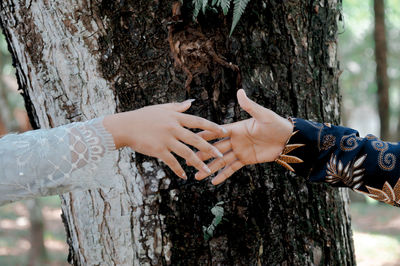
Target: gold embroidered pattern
328,142
386,161
349,142
371,137
285,159
387,195
351,175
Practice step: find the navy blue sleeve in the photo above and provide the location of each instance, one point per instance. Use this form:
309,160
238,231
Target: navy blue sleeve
339,156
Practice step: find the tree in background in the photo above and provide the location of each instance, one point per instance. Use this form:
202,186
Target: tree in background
13,118
358,81
77,60
381,68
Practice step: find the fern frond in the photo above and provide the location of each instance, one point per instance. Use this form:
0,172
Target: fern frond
238,10
197,6
225,5
205,3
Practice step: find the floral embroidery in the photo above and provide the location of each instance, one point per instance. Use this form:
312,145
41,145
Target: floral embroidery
342,160
328,142
387,195
349,142
351,175
386,161
285,159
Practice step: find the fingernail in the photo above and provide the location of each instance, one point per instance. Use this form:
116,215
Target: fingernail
224,130
184,176
218,153
196,176
205,167
190,100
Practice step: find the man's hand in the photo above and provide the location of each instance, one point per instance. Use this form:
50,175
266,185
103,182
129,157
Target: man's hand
256,140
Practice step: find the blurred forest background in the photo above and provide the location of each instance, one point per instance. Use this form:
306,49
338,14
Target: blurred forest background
31,232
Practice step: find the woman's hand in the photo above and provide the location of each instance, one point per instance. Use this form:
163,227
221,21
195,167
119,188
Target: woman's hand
159,130
255,140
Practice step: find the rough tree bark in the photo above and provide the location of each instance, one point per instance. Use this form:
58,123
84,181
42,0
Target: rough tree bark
382,78
77,60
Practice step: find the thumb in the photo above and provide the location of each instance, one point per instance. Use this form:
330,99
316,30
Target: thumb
178,107
254,109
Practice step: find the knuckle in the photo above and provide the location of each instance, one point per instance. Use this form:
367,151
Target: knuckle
193,158
221,163
170,126
166,159
195,140
197,164
200,121
188,154
159,149
224,162
210,149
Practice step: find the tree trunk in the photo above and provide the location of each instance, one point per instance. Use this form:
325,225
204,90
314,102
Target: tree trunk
3,129
37,253
80,59
381,68
6,117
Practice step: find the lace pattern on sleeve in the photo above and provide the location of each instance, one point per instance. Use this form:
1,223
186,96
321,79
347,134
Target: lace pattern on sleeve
77,156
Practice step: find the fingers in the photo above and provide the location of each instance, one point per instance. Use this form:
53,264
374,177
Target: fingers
183,151
216,165
192,121
178,107
223,146
251,107
227,172
173,163
210,135
194,140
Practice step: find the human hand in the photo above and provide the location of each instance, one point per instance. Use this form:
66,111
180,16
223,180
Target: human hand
256,140
158,130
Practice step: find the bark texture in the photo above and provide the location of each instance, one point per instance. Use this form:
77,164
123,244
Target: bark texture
382,78
80,59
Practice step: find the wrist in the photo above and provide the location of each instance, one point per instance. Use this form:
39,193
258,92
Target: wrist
288,128
112,123
285,158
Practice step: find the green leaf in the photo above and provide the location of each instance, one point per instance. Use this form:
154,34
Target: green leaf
197,6
217,211
238,10
214,2
225,5
205,3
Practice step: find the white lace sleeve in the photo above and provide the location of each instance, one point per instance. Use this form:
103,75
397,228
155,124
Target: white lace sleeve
77,156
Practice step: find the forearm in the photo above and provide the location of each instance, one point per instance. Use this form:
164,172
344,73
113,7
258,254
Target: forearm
338,156
47,162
